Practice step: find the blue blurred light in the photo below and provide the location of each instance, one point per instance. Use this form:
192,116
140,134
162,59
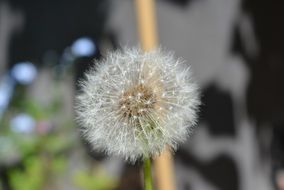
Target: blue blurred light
22,123
83,47
6,90
24,72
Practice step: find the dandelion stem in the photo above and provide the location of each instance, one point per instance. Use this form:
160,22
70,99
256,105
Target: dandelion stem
147,175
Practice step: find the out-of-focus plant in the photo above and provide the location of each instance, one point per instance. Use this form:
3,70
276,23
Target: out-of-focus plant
35,172
36,144
30,177
95,179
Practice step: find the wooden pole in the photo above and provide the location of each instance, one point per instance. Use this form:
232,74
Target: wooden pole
164,171
146,19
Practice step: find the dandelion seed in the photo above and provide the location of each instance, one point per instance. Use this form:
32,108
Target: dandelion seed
126,104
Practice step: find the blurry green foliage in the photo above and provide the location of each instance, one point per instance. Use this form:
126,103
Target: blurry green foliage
35,109
36,172
29,178
27,144
42,154
59,164
95,180
39,111
57,143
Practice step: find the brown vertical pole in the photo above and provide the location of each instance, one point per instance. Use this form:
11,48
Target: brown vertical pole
146,19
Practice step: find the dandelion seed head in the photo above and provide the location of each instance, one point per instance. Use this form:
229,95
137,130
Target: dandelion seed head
133,104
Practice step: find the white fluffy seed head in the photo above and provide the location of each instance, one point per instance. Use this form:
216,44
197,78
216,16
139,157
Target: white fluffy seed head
133,104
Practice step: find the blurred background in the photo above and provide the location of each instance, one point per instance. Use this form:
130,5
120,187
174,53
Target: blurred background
235,47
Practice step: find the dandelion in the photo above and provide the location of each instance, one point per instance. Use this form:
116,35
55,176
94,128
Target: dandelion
133,103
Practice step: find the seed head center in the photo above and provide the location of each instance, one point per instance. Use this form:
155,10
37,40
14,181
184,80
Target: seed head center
137,101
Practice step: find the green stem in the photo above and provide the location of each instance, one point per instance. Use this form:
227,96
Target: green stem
147,174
